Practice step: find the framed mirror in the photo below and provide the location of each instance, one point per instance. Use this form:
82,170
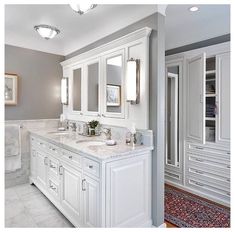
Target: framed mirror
114,82
77,89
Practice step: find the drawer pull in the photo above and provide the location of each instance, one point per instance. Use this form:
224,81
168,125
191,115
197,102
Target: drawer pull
45,161
61,170
199,172
52,166
228,180
90,166
40,143
70,157
199,184
83,185
228,153
228,166
52,187
199,160
228,193
200,148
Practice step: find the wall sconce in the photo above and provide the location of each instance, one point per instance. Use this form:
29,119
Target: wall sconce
64,91
133,81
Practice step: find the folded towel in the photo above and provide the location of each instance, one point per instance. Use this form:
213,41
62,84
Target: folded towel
12,140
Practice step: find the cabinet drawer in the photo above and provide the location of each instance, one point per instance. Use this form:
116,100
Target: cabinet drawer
207,163
53,187
91,166
53,149
72,158
208,150
173,176
208,189
53,167
39,143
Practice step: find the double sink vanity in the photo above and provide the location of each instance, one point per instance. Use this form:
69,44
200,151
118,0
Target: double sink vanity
91,183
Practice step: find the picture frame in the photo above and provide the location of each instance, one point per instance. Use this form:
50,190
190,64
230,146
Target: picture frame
113,95
11,89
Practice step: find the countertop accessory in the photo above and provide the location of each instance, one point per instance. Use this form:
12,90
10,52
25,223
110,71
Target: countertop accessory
110,142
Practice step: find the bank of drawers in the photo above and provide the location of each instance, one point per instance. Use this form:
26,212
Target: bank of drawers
208,170
55,154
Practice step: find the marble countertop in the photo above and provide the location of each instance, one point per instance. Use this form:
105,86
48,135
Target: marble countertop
90,146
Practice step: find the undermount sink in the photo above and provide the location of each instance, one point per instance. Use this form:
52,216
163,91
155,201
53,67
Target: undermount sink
91,142
59,132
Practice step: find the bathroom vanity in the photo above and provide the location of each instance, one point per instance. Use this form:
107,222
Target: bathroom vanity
92,184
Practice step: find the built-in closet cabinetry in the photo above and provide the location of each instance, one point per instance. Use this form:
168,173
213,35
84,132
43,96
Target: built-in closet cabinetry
206,101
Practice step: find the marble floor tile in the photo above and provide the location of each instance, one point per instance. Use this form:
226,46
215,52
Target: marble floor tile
14,209
11,196
26,206
20,221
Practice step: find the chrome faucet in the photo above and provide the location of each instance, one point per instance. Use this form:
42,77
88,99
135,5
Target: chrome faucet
107,132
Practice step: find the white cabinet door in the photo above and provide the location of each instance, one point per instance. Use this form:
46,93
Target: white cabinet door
128,192
196,98
71,197
223,98
33,162
91,200
41,169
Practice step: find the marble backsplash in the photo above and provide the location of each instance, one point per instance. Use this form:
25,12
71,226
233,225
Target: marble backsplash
22,175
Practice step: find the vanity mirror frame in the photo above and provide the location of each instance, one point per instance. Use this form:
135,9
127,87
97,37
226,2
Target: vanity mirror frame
105,113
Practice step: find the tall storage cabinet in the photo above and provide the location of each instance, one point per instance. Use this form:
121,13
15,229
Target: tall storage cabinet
206,157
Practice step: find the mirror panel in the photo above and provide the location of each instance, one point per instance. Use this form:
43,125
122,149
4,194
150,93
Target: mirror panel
114,89
93,87
172,116
77,81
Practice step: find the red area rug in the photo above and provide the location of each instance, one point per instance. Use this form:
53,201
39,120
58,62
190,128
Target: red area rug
186,210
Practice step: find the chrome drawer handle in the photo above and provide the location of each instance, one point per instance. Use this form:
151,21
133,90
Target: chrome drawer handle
90,166
228,180
52,166
228,193
52,187
200,148
228,166
61,170
83,185
199,184
228,153
199,160
70,157
199,172
40,143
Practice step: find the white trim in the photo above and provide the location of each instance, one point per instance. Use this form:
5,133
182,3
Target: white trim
143,32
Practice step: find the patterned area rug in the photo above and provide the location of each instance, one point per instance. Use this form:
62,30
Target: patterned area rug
187,210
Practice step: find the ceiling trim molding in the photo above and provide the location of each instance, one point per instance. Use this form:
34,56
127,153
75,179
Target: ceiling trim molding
138,34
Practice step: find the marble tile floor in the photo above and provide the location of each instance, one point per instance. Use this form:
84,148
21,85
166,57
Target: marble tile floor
26,206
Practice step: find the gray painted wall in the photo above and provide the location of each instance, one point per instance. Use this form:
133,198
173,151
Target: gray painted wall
157,101
39,83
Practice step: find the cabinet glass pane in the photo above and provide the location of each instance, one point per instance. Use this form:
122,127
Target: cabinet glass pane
210,131
93,87
114,84
172,116
77,80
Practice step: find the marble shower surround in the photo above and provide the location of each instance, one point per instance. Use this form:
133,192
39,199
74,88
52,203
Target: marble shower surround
21,175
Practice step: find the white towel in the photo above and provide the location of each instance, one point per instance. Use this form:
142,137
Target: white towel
12,147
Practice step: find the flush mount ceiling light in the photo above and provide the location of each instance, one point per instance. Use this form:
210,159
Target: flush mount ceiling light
193,8
46,31
82,8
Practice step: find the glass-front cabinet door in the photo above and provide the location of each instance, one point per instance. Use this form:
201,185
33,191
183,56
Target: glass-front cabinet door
92,87
114,85
76,90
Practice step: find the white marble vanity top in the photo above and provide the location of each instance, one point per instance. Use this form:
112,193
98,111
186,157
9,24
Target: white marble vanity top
90,146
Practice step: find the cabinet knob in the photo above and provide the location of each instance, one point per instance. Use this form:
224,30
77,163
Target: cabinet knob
90,166
70,157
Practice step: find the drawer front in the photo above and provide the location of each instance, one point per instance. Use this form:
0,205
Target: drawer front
208,150
72,158
53,167
208,189
53,149
91,167
39,143
173,176
207,163
53,188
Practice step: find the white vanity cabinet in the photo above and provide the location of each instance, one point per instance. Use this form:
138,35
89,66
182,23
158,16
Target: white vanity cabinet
94,193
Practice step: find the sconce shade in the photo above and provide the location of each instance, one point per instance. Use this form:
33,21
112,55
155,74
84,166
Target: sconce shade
132,81
64,90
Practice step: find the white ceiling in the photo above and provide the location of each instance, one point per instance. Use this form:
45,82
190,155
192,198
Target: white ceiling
184,27
76,31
